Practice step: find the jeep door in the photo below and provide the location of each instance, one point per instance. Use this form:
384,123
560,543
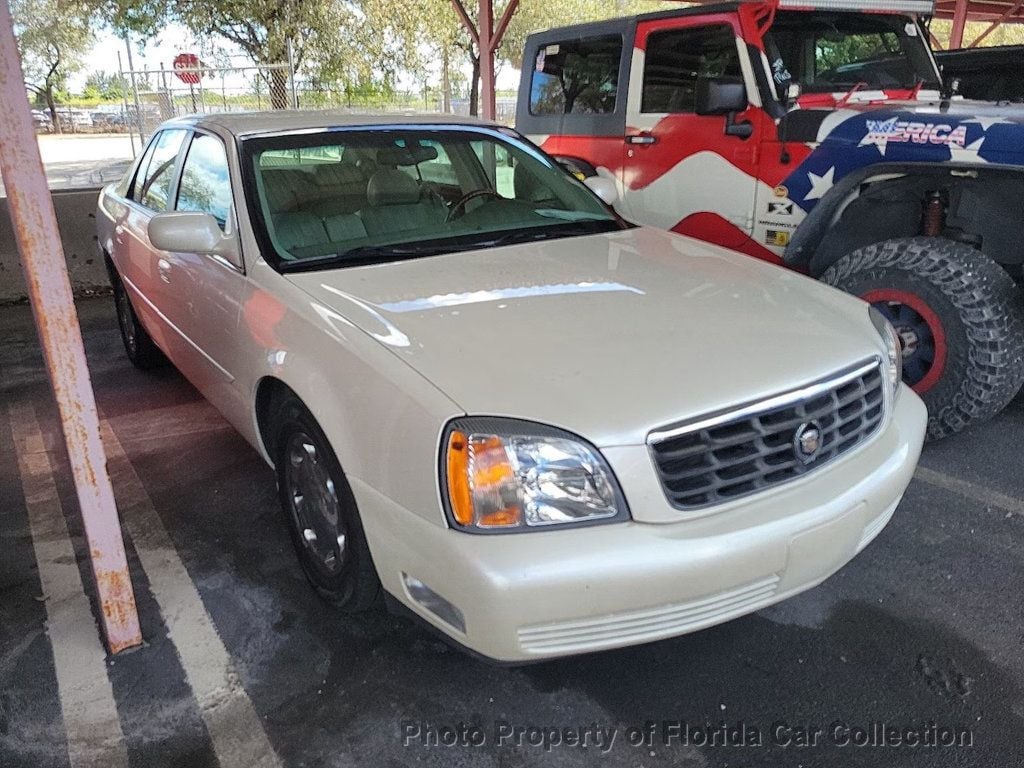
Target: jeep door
681,171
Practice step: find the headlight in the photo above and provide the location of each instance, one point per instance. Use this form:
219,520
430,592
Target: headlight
500,475
893,347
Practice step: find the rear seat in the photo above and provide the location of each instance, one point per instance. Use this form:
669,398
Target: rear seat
342,189
287,189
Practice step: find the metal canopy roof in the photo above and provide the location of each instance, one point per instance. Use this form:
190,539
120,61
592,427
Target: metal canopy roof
987,10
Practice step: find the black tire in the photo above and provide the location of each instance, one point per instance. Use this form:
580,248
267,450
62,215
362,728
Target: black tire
310,485
138,346
968,303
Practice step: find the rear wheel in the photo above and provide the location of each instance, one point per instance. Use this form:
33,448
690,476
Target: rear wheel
960,318
321,513
138,345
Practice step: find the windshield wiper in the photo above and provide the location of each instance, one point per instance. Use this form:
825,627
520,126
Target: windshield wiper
364,254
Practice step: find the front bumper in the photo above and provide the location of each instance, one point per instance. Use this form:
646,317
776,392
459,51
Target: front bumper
539,595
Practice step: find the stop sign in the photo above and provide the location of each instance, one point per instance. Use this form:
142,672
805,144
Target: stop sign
187,61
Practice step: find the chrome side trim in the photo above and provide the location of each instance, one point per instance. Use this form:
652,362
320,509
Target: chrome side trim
777,401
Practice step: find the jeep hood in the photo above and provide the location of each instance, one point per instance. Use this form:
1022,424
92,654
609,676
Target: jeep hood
608,336
919,131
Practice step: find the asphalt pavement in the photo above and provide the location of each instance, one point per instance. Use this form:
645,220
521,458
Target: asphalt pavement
920,639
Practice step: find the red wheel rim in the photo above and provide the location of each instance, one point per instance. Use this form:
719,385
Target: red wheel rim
911,315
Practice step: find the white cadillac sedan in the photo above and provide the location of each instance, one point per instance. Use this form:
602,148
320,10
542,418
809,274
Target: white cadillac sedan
486,397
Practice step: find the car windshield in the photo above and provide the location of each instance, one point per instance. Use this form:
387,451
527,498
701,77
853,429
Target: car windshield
340,197
831,52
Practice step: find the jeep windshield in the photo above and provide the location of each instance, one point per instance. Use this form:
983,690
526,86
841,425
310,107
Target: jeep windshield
835,52
341,197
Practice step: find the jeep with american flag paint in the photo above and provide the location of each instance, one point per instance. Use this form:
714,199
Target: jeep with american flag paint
816,134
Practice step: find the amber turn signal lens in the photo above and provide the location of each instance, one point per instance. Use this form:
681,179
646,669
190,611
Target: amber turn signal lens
459,492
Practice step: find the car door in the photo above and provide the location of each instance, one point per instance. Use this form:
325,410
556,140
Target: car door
199,293
134,255
681,171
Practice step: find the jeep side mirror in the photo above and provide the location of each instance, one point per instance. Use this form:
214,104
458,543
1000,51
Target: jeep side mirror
720,95
724,96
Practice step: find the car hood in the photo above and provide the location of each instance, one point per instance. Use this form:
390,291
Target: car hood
607,336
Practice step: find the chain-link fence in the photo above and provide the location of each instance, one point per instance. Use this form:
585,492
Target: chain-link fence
157,95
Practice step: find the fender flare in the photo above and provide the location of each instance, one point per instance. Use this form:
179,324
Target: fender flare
812,230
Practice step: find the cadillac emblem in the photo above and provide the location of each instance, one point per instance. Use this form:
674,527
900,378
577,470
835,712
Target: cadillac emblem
807,441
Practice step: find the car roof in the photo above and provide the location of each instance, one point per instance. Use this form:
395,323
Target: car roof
282,120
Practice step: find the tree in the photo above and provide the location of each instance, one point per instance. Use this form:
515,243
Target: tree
109,86
327,32
433,25
53,38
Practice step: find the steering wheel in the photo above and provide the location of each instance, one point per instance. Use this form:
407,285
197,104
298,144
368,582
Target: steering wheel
460,204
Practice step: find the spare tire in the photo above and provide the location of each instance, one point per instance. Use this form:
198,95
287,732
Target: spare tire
960,317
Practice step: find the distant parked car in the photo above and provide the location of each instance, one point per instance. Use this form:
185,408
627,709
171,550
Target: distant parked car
74,119
41,120
537,427
989,74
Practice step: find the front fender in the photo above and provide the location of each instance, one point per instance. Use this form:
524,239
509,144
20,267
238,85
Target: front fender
383,419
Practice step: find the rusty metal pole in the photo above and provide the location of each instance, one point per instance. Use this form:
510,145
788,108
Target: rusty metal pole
956,38
42,259
485,31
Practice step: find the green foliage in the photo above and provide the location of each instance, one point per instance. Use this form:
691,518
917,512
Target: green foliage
53,38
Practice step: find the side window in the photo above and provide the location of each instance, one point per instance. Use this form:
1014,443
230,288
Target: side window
153,181
677,58
204,179
576,77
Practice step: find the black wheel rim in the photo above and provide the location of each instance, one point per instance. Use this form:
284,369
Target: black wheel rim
127,321
313,503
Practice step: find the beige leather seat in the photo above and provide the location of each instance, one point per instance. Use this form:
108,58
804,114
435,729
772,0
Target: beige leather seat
395,203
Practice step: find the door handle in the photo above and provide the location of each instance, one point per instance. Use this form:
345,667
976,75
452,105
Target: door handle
640,138
163,266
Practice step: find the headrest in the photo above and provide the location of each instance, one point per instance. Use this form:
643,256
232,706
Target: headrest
411,154
389,186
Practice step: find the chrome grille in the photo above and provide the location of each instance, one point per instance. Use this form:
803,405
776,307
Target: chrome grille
741,452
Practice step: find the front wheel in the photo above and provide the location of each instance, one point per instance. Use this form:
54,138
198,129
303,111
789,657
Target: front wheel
321,513
960,319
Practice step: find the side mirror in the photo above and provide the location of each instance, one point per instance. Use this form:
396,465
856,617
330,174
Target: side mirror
724,96
720,95
193,232
603,188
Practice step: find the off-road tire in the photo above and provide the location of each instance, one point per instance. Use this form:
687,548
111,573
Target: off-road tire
139,347
981,311
355,587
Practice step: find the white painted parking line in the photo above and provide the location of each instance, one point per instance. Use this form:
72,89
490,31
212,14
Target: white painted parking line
234,727
90,716
970,490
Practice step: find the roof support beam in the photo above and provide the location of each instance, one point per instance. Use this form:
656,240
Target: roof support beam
956,39
486,37
1010,12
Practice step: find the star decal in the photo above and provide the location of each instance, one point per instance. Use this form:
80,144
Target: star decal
968,154
988,122
878,134
820,185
